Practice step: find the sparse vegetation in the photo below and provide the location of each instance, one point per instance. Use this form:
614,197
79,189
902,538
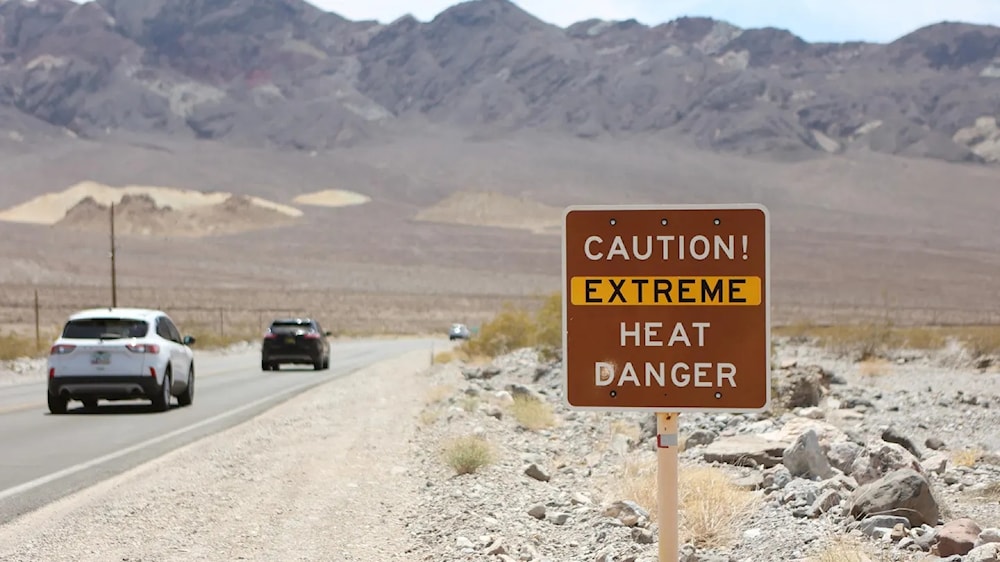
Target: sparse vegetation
14,346
443,357
532,414
845,549
213,338
439,394
712,507
467,454
873,340
517,327
966,457
873,367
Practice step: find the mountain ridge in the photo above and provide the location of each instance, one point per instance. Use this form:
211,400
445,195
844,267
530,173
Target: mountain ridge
286,74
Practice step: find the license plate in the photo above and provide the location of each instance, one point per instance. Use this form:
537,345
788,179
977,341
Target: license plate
289,340
100,358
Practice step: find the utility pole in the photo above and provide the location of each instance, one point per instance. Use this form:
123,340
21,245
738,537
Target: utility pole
114,281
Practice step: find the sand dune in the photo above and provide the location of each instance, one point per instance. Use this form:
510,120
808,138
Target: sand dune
486,208
332,198
52,207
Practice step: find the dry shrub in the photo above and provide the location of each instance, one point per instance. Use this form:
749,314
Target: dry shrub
980,340
532,414
467,454
440,393
845,549
514,328
428,416
443,357
966,457
712,507
469,403
637,482
13,346
873,367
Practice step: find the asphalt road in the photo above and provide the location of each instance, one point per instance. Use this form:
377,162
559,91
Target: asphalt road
45,457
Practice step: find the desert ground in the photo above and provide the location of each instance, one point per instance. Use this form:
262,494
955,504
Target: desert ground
408,461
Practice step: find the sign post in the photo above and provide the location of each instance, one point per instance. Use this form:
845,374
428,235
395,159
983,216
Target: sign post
666,309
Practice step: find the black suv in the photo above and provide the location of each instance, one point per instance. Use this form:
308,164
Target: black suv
296,341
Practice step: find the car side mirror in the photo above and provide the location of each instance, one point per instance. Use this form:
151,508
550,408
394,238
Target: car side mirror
188,340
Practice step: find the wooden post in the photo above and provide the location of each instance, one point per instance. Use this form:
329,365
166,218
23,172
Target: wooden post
114,274
667,467
38,331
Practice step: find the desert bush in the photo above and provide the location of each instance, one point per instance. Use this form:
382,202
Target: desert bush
13,346
712,507
844,549
966,457
466,455
532,414
514,328
443,357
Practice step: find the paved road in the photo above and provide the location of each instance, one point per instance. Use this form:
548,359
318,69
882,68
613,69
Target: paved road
44,457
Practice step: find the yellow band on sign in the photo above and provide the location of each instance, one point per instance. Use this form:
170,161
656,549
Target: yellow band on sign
665,291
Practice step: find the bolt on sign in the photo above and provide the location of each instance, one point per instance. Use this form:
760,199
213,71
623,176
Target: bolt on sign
666,308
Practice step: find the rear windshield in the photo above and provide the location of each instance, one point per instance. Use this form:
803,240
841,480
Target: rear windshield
290,325
107,328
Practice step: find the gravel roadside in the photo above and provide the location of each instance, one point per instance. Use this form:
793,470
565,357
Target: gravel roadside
324,476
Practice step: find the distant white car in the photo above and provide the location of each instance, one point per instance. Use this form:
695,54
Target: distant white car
458,332
120,354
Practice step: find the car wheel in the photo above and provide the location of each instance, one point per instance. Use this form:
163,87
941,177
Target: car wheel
57,404
265,366
161,402
187,397
326,363
318,365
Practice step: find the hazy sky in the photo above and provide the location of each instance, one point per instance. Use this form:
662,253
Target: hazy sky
813,20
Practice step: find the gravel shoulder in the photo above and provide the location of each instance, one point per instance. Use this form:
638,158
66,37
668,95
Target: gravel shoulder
322,476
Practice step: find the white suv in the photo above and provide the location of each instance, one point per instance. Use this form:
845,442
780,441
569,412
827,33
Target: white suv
120,354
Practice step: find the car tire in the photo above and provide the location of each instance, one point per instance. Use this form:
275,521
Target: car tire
161,402
318,365
187,397
265,366
326,363
57,404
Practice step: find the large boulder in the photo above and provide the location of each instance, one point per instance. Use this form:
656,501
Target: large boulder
904,493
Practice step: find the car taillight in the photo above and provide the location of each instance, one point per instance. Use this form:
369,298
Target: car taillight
152,372
61,349
311,336
270,336
52,372
143,347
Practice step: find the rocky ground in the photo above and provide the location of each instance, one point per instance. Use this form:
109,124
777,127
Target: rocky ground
892,459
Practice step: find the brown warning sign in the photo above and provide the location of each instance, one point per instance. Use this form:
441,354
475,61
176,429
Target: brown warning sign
666,308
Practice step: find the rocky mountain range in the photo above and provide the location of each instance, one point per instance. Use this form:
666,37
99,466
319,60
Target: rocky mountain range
283,73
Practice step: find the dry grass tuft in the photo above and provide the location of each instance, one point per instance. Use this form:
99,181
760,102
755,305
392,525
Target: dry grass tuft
429,416
874,367
845,549
444,357
439,394
637,482
13,346
516,327
867,341
966,457
712,507
466,455
532,414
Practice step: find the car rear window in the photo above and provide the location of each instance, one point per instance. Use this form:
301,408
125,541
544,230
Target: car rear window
96,328
290,326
